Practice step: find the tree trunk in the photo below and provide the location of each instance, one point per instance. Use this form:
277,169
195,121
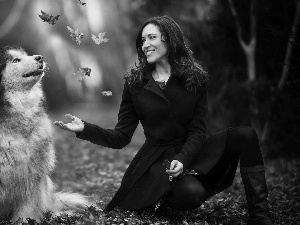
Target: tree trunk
285,71
249,51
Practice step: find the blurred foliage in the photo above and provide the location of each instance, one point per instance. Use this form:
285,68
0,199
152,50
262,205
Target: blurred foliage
20,24
211,31
234,101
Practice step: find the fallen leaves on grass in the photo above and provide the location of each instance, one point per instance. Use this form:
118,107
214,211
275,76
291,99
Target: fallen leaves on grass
98,171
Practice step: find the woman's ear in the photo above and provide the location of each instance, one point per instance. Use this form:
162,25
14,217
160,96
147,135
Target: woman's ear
163,38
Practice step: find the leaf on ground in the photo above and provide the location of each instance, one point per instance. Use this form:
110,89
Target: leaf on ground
76,36
82,72
107,93
48,17
100,39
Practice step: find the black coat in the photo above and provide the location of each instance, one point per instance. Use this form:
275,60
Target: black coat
174,124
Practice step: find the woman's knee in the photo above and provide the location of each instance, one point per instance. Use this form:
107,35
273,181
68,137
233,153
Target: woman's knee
197,195
244,135
187,194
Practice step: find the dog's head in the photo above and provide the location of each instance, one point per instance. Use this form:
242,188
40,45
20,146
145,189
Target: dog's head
19,71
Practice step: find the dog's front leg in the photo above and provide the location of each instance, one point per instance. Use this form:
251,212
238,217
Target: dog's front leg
29,210
35,205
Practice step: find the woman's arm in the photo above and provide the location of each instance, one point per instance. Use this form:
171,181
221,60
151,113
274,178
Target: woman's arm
196,132
121,135
115,138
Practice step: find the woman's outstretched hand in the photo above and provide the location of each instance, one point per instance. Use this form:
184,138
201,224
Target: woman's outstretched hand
76,125
176,168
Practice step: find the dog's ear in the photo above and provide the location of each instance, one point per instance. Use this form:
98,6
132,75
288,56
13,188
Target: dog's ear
5,56
3,59
2,67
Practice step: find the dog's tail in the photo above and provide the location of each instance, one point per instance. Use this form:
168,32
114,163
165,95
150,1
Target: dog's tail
66,202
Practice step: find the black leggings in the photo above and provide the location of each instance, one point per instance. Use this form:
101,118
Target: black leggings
189,193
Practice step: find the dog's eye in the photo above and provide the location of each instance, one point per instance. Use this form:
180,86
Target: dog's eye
16,60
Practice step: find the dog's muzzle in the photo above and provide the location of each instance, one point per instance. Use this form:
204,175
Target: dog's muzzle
34,73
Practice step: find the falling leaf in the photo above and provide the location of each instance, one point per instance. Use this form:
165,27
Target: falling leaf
81,3
48,17
107,93
82,72
76,36
100,39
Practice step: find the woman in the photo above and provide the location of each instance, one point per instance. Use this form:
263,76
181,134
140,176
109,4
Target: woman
167,93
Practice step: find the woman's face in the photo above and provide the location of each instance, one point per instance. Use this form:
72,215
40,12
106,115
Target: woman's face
154,48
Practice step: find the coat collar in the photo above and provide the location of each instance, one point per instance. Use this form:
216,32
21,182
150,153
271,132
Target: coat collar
152,86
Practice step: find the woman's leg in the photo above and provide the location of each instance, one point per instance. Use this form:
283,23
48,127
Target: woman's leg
186,193
245,140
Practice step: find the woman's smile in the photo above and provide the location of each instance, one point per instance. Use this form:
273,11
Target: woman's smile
154,47
149,52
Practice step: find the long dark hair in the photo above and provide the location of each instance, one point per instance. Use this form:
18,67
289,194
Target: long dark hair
180,57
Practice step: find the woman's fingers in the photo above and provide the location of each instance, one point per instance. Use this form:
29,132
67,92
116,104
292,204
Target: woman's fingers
76,124
70,117
57,123
175,174
60,124
74,119
172,165
176,168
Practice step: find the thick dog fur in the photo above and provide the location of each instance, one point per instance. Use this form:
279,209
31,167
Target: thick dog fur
27,155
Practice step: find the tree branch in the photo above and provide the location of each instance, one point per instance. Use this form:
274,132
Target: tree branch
238,25
249,49
252,21
293,36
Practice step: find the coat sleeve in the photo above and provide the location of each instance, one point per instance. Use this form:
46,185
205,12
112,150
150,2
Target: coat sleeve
121,135
196,132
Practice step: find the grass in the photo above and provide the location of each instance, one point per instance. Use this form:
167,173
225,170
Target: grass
97,171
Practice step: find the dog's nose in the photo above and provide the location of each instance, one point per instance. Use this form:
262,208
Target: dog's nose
39,58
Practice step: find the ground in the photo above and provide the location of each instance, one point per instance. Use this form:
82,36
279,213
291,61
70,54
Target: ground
97,172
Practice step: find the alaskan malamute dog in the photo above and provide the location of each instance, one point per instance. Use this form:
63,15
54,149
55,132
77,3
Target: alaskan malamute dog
26,150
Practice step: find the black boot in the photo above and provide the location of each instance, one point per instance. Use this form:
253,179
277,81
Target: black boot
256,195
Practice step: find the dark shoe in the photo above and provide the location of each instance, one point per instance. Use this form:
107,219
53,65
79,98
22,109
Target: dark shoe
256,195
